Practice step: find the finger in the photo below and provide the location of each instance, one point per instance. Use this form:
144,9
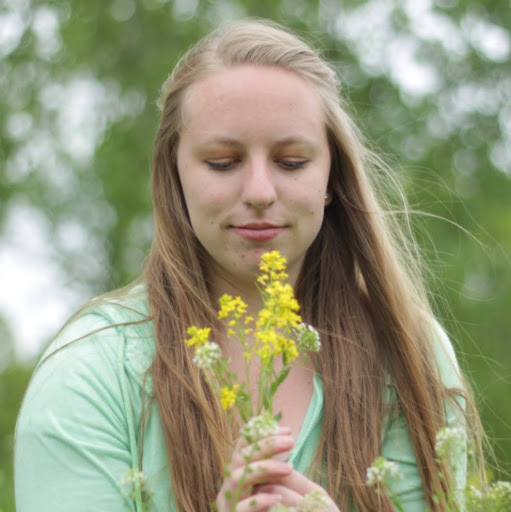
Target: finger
298,486
263,449
263,471
281,431
298,483
289,498
243,479
258,503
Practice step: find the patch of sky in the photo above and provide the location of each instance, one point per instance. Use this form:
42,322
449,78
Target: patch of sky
122,10
45,26
36,299
184,10
12,28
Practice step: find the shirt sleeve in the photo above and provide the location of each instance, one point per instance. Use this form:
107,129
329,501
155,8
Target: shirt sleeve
72,444
397,446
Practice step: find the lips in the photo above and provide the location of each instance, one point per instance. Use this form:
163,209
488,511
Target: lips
258,231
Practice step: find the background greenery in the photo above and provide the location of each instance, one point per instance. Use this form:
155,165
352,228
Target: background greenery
428,81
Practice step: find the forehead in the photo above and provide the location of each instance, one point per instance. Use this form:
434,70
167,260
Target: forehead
254,98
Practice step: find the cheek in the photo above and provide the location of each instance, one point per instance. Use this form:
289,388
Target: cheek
309,199
205,205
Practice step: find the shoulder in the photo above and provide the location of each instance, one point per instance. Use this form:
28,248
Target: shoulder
445,356
108,337
76,427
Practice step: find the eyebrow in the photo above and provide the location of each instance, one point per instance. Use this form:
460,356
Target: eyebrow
233,142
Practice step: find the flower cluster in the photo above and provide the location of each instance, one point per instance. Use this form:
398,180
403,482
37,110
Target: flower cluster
499,495
272,267
206,355
383,472
134,481
197,336
307,338
474,497
228,396
450,443
315,500
497,499
258,427
278,319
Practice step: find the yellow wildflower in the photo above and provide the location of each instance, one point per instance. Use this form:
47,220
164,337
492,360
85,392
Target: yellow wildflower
289,350
231,307
264,352
273,268
226,306
197,336
263,279
272,261
264,317
280,309
228,396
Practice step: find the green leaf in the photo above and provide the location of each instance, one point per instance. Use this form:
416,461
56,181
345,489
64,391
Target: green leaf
282,375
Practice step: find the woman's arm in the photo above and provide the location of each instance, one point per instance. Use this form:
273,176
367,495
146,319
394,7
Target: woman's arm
397,446
72,445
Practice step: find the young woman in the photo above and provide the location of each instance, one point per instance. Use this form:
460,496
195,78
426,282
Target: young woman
254,152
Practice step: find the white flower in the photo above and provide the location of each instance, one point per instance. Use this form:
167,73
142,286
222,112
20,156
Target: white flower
207,355
258,427
451,443
315,500
134,479
474,496
308,338
132,476
384,472
499,495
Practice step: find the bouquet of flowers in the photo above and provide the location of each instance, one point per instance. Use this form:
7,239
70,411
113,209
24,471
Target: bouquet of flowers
276,334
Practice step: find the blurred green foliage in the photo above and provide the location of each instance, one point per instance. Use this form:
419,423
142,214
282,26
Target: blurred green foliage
13,382
79,82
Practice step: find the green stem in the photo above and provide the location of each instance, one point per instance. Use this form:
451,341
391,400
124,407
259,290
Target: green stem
239,488
241,335
397,502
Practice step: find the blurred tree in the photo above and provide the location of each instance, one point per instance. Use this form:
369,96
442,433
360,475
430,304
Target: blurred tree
429,82
13,382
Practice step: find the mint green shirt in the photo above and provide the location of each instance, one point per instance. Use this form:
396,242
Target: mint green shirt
76,435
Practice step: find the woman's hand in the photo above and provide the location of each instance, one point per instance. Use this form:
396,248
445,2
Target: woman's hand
253,466
292,488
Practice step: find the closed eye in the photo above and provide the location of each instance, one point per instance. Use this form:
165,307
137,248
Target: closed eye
224,165
293,164
220,166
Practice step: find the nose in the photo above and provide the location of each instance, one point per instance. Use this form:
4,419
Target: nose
259,190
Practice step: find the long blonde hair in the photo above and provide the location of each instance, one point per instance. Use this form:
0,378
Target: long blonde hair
359,286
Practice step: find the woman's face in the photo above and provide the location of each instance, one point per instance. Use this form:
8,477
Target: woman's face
254,162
